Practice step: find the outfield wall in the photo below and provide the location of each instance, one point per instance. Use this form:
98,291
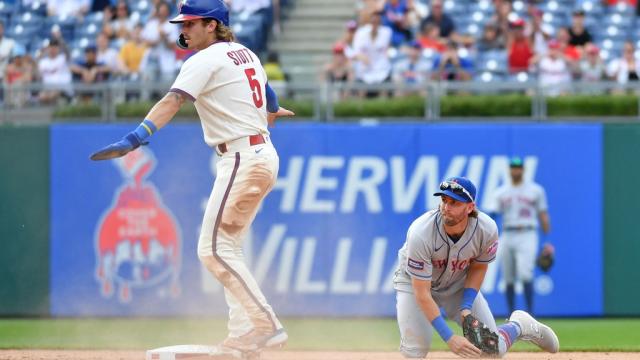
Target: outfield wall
326,240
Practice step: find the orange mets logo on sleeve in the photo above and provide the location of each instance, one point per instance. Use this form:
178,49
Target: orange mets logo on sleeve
414,264
491,250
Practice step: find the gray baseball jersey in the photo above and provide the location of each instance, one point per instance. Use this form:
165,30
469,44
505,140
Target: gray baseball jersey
430,254
520,204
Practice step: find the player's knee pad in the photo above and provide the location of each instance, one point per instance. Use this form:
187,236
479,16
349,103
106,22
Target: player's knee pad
413,353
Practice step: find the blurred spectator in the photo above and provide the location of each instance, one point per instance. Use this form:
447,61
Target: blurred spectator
430,38
625,68
99,5
537,31
370,44
121,24
6,49
366,8
412,70
339,69
346,40
160,36
592,67
54,71
500,19
276,76
518,47
68,8
451,66
396,17
578,34
18,73
571,53
89,71
108,55
132,54
273,69
489,40
554,72
438,17
250,6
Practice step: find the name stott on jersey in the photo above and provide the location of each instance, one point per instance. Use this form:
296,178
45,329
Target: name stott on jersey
227,84
520,204
429,254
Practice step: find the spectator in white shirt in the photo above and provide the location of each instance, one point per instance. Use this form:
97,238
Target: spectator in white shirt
160,36
554,72
371,43
625,68
412,71
68,8
107,55
55,74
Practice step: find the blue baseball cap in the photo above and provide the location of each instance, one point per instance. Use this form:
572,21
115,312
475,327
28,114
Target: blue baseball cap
458,188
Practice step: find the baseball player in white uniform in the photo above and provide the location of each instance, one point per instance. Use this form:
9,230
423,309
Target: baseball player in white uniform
228,86
523,205
441,268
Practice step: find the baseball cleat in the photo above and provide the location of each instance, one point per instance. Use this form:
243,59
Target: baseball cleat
256,340
535,331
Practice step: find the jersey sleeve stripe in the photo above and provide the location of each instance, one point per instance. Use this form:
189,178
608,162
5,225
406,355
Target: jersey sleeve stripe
182,92
418,276
486,261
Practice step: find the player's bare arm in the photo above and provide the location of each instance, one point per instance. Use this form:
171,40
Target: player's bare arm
458,344
161,113
545,223
165,109
271,117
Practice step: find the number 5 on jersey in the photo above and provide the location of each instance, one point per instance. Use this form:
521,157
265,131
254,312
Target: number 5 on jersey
255,87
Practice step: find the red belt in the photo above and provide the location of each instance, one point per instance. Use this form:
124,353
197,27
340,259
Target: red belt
253,140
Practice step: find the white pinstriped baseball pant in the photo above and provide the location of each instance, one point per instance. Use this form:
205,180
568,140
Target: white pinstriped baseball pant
244,177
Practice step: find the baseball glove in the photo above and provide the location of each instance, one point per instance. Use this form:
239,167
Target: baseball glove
480,335
546,258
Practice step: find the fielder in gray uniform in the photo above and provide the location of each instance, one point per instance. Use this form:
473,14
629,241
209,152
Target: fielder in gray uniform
441,268
523,205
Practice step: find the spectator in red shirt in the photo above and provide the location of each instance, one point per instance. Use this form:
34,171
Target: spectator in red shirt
519,47
571,53
430,38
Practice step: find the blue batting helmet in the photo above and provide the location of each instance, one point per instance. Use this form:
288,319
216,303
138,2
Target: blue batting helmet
202,9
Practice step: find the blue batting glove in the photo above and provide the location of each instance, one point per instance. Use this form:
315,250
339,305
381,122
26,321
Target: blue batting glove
128,143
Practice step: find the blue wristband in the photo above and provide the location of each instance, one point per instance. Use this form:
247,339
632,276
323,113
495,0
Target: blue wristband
468,297
442,328
145,129
272,100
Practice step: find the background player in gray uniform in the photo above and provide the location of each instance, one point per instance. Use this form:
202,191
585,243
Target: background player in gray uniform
228,86
440,270
523,206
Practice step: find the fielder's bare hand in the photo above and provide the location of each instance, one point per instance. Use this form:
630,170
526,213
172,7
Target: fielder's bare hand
271,117
462,347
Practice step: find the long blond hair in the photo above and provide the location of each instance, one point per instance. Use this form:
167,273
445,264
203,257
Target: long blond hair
222,32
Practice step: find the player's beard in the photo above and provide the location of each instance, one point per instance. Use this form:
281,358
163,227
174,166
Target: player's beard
450,220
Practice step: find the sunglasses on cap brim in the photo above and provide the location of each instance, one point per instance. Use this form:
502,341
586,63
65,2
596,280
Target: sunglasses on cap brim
456,188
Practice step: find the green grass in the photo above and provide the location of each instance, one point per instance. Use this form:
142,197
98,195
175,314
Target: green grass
305,334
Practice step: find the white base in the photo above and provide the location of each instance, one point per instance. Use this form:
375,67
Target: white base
178,352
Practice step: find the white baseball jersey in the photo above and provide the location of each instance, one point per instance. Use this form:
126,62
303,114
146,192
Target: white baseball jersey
520,204
226,81
430,254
